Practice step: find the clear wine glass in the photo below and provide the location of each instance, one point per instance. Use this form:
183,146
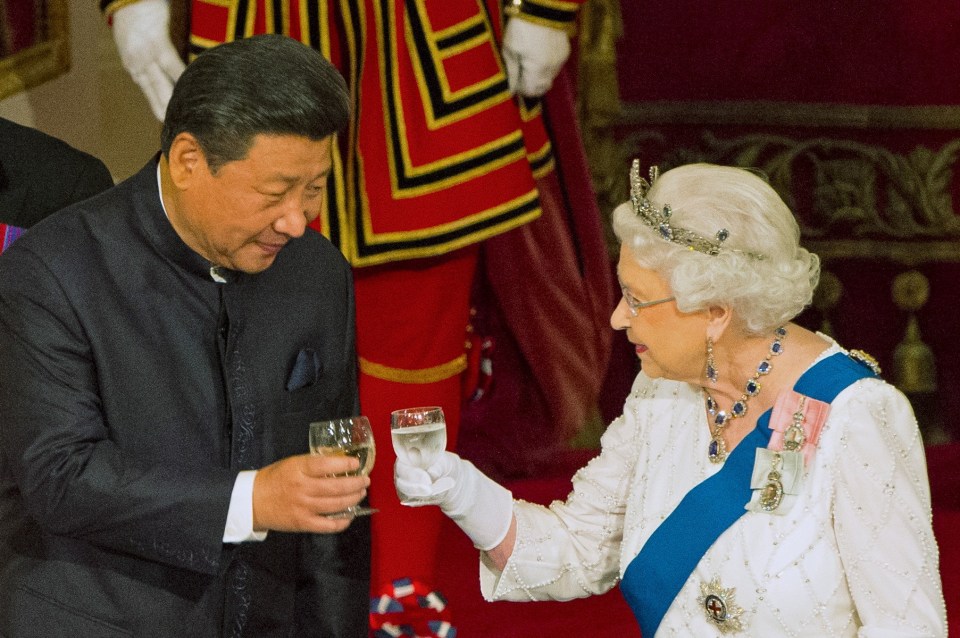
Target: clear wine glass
350,436
419,436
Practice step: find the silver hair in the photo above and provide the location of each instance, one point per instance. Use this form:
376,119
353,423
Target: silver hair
763,293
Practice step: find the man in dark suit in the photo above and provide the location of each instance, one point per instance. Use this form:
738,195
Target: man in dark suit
163,347
40,174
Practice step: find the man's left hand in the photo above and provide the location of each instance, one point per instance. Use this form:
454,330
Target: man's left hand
296,494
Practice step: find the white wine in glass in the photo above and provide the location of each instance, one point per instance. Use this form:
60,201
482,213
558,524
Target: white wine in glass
419,436
350,436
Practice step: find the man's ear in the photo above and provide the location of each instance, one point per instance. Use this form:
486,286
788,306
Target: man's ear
718,320
186,160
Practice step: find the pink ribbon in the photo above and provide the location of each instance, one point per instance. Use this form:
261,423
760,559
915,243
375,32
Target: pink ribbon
792,407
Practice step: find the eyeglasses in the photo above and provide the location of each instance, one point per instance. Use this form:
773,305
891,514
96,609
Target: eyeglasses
636,306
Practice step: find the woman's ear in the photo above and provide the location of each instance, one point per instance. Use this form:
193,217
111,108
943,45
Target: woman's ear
718,320
186,161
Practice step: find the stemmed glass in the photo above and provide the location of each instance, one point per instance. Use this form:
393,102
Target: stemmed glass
350,436
419,437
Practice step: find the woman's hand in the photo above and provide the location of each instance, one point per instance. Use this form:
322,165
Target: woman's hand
480,506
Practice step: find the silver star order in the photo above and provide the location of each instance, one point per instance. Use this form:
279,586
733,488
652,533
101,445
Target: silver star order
730,621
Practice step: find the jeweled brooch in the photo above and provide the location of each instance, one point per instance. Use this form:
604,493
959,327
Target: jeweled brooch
720,607
867,360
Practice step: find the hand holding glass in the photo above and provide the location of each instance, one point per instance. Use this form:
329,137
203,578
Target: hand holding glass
419,437
350,436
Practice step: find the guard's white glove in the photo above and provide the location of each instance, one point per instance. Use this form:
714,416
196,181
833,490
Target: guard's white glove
480,506
533,55
141,31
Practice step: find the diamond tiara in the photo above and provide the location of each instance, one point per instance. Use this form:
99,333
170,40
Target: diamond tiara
659,219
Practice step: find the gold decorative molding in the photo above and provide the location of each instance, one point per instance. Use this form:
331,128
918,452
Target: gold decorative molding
915,370
793,114
852,199
905,253
43,61
598,98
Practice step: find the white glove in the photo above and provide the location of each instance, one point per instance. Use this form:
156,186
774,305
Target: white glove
140,30
533,54
480,506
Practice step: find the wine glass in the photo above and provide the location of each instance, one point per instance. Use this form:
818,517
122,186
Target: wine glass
419,437
350,436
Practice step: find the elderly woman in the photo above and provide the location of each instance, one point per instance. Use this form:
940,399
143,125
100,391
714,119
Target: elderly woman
762,480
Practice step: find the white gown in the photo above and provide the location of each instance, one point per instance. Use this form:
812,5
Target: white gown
854,556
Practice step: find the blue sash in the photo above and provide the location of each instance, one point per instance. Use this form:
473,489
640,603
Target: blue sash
655,575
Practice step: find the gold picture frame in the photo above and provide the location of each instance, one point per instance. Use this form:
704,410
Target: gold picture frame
44,59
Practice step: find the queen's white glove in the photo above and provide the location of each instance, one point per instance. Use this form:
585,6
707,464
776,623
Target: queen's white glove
140,30
533,55
480,506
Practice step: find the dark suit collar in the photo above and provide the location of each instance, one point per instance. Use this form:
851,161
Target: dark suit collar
160,232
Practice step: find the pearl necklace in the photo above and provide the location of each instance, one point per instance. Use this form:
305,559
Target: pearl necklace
717,450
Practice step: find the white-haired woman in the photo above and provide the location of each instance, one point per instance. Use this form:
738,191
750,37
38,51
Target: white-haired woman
762,480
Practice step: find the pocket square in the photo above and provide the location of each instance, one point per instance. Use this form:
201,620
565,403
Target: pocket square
306,370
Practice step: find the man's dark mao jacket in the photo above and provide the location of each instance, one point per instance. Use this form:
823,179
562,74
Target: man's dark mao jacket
133,388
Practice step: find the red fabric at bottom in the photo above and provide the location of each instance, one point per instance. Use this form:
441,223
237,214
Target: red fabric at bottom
410,316
405,539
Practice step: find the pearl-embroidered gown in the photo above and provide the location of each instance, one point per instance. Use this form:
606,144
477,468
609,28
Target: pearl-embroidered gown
854,556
